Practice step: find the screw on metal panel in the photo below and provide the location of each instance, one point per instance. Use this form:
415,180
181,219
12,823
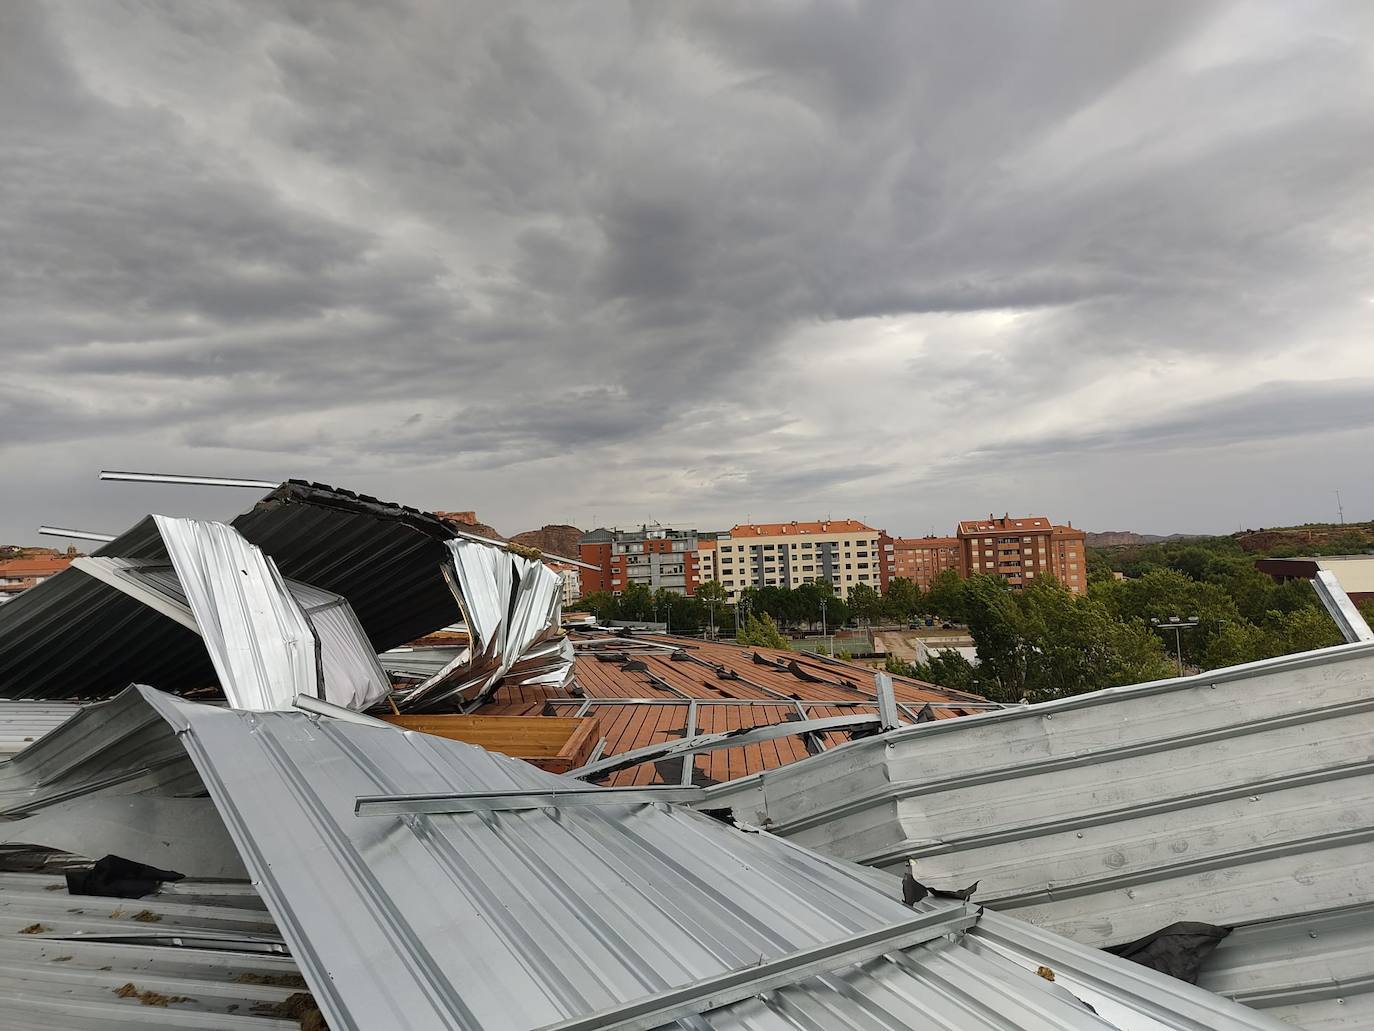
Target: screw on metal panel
1311,934
1079,834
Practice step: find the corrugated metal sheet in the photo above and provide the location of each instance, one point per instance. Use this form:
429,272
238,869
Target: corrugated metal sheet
1312,971
196,955
1234,797
267,639
514,920
512,607
24,722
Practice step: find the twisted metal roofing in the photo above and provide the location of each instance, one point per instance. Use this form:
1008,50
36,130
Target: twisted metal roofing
522,919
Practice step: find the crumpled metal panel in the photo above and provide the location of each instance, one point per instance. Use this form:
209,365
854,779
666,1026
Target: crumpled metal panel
24,722
259,640
513,609
1234,797
198,606
510,921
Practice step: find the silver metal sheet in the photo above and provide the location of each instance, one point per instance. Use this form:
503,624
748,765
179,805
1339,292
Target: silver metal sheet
515,920
24,722
58,968
512,607
1238,796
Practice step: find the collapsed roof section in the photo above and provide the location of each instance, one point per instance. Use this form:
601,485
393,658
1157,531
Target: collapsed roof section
193,606
513,609
1242,797
460,898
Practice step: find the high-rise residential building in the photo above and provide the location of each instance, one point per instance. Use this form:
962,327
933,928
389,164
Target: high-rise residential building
922,559
1021,549
572,580
845,552
653,556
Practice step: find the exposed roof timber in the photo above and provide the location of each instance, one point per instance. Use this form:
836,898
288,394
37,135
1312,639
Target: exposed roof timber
1343,611
728,739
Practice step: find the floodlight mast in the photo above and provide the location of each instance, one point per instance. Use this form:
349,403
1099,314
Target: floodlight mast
1177,624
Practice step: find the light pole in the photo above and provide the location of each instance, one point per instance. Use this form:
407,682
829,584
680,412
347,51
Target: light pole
1177,624
823,633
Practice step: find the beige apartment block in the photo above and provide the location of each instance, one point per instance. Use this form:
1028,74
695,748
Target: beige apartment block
843,551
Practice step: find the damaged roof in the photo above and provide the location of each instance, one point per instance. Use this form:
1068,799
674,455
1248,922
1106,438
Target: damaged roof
624,914
1239,797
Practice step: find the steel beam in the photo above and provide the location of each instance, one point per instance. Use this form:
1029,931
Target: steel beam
80,535
711,993
196,481
1343,611
507,801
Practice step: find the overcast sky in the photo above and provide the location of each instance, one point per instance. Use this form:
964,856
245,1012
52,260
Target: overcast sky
906,262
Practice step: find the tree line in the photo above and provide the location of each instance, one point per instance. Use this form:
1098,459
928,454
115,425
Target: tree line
1040,642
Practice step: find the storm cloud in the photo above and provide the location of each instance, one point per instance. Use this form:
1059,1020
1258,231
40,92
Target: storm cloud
700,262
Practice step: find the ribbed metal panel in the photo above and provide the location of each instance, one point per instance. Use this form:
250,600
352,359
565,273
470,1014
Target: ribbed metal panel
223,976
1234,797
24,722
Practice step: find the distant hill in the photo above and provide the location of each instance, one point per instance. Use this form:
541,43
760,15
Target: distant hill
1119,539
1314,538
1128,538
551,539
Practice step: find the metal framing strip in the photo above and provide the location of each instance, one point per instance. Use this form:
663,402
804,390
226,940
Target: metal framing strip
728,739
508,801
80,535
198,481
1342,609
711,993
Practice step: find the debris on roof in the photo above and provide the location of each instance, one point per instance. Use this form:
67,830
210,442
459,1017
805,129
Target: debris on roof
199,606
512,607
404,905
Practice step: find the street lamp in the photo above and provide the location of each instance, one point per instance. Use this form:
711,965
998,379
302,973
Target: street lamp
823,633
1177,624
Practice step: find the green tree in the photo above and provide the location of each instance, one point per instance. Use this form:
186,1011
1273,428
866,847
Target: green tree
636,604
947,596
713,596
602,604
761,632
903,600
866,603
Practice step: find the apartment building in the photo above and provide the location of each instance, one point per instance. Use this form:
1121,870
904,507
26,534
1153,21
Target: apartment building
1021,549
844,551
653,556
19,574
571,577
922,559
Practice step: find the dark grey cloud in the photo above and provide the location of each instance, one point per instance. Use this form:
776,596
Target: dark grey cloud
565,261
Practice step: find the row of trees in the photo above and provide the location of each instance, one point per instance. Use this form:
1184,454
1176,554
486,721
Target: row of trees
1042,642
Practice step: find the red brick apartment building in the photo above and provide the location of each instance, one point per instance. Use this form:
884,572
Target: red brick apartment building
1021,549
922,559
653,556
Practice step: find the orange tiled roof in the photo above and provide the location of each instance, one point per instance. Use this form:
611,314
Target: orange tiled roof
918,543
633,725
974,526
40,565
1068,531
794,527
